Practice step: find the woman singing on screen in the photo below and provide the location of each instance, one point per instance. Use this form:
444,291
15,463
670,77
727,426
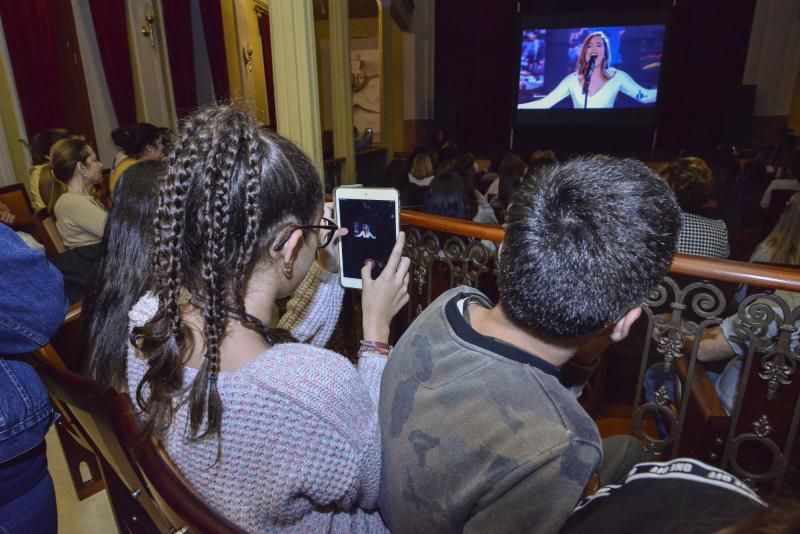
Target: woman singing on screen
604,82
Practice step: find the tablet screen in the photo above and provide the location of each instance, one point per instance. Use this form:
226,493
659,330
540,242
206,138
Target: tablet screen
372,232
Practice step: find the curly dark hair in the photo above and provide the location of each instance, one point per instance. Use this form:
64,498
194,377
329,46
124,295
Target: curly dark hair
585,242
691,180
230,188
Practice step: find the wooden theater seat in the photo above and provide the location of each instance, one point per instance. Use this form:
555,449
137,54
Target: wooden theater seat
16,198
99,426
184,508
47,233
85,411
707,423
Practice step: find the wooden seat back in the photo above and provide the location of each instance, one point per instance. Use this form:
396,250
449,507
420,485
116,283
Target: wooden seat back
16,198
47,233
82,403
140,477
181,504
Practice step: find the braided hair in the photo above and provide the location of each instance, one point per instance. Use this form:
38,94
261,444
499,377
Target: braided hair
230,188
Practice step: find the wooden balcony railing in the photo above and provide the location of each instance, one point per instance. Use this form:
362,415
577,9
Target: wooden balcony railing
755,438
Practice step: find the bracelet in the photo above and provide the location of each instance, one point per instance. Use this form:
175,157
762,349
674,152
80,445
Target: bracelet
375,347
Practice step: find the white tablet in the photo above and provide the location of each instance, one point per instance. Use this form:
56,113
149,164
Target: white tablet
372,218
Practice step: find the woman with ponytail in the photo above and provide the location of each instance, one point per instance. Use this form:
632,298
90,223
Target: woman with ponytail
40,146
272,429
139,142
80,219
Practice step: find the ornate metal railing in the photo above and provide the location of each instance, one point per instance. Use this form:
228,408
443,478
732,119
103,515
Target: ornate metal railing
755,440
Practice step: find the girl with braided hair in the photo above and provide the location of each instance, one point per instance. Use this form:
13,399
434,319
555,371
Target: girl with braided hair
270,428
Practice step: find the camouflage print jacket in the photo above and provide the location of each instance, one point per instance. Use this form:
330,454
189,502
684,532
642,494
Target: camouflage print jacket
477,435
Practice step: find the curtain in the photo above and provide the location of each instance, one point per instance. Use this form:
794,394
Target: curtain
112,40
178,27
266,48
211,13
30,31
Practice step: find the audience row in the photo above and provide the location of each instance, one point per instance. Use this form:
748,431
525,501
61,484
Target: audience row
470,422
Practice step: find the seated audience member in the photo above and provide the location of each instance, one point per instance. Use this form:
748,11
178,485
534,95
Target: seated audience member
545,156
434,157
790,181
724,168
142,141
80,219
681,495
397,175
270,428
511,170
742,205
419,179
446,197
692,182
465,166
122,274
32,307
421,172
40,146
363,142
725,342
478,207
445,147
481,428
782,244
445,166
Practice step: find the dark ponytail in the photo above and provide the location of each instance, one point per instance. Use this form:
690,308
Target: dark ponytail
133,140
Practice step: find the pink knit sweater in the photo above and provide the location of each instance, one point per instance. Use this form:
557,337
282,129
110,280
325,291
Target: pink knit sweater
300,438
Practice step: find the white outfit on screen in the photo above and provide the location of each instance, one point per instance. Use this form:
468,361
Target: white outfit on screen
603,99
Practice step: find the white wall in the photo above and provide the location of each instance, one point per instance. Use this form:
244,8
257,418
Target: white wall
773,56
103,117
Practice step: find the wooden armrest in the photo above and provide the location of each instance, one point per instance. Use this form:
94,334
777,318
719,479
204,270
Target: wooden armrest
701,391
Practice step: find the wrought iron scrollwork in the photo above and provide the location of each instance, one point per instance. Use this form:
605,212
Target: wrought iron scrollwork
467,259
422,249
767,324
671,331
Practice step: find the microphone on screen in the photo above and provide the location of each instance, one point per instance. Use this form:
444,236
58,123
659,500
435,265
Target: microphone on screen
590,68
588,75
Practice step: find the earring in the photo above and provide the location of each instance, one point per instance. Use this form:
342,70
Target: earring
83,175
287,270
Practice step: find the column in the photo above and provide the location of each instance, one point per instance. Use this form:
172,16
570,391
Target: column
294,59
341,88
387,98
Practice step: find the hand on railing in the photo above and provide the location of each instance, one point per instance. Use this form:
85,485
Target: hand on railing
384,296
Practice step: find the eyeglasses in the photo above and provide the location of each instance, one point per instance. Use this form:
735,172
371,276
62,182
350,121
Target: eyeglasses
324,239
